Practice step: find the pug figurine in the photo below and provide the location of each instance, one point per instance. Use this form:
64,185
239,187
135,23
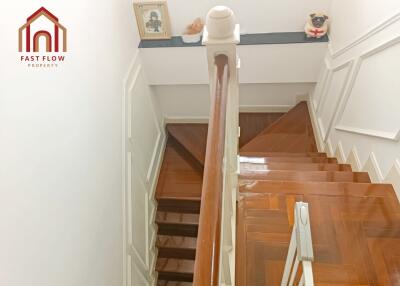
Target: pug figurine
317,25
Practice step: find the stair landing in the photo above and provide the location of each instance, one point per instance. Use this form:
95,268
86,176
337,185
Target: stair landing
355,224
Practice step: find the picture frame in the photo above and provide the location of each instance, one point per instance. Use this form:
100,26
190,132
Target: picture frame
153,20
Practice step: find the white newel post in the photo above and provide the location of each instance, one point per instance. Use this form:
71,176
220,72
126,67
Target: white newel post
221,36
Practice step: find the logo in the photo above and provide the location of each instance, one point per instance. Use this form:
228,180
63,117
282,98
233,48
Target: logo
42,40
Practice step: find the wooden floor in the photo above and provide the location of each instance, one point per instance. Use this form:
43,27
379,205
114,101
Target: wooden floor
355,225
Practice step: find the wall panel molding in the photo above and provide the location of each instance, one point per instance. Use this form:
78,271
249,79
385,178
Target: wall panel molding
140,176
378,28
343,91
319,89
353,79
325,130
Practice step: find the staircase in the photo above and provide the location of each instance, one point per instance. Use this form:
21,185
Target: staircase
178,195
355,224
179,192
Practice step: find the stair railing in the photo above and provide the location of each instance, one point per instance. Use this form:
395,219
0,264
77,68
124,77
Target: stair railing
215,251
300,250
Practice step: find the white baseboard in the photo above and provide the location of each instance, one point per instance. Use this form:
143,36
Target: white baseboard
339,153
302,97
393,177
354,160
317,132
329,148
372,167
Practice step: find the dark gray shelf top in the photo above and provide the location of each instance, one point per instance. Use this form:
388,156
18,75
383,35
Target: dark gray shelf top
247,39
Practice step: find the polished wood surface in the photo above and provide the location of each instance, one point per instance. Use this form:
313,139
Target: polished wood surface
355,224
291,133
296,166
315,176
251,124
206,269
281,154
178,196
193,137
175,269
180,175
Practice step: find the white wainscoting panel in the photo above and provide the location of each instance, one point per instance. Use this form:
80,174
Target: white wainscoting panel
145,124
357,106
144,142
335,88
375,92
321,84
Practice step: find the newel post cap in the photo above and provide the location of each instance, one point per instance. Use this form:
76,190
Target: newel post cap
220,22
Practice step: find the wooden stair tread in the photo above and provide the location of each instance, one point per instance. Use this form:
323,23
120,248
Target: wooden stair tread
193,137
171,246
172,241
295,166
286,159
314,176
282,154
175,269
177,224
179,177
175,217
318,188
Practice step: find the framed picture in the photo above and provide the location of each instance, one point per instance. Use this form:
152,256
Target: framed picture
153,20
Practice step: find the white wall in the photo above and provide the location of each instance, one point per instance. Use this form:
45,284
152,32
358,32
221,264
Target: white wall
289,63
60,149
352,19
355,104
192,102
254,16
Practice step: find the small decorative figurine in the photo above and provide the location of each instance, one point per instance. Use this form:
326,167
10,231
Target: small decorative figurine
317,25
193,32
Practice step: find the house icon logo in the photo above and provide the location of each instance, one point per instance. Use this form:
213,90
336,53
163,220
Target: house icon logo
42,32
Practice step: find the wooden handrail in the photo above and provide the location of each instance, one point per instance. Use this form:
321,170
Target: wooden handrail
206,269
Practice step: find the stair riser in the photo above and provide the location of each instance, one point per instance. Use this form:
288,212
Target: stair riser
178,206
174,276
177,229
